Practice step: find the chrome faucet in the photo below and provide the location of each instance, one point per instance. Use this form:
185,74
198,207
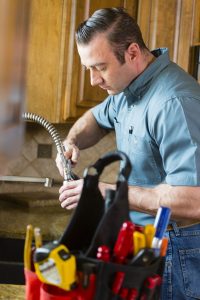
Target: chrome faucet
68,174
48,182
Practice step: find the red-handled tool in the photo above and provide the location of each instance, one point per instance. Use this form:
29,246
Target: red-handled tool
133,294
150,285
117,283
124,243
103,253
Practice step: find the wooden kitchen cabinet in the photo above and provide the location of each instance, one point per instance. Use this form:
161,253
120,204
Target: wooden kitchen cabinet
174,24
58,88
44,57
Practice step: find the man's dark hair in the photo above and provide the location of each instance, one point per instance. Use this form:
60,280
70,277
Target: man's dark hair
120,28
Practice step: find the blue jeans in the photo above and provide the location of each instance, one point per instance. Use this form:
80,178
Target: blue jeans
181,278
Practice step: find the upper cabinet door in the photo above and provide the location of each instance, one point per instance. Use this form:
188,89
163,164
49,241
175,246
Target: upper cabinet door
174,24
44,56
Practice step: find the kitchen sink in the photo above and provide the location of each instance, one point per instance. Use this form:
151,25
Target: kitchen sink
11,261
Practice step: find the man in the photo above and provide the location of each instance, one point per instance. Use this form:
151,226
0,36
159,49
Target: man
154,108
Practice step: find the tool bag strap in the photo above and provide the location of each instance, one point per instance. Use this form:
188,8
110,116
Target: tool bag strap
109,158
90,222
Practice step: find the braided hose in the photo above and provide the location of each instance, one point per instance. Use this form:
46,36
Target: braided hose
68,175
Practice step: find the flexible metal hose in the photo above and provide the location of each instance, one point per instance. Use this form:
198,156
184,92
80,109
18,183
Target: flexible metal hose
68,175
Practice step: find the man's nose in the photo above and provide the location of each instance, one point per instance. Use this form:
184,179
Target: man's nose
95,77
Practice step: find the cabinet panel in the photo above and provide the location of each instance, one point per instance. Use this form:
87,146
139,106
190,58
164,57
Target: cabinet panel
185,33
157,20
44,56
78,94
174,24
196,23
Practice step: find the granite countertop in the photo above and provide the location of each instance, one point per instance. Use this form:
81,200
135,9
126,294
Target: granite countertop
39,209
12,292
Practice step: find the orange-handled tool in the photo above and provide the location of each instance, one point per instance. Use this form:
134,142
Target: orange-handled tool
163,248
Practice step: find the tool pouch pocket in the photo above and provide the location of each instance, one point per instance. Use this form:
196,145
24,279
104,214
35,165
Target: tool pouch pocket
135,279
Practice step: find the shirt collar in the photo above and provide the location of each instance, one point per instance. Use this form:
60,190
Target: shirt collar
138,86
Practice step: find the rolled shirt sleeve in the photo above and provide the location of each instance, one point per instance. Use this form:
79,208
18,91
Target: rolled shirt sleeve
176,130
103,113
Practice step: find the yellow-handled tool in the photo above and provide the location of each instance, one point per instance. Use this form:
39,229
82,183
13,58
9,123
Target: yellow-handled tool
38,237
139,241
55,265
28,247
149,232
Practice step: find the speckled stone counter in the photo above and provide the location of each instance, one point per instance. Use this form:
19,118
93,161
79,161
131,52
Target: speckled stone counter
40,210
12,292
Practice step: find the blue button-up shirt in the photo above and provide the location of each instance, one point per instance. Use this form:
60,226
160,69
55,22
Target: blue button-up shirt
157,124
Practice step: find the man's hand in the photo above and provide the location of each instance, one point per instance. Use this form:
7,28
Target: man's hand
70,193
84,133
71,152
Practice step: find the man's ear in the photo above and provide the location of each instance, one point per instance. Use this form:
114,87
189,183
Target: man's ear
133,51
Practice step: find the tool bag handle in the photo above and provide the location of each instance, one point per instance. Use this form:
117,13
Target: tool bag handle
109,158
90,223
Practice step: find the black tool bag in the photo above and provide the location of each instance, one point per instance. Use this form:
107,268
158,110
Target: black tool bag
96,222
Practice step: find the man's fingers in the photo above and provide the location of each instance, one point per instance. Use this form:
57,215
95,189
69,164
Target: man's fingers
75,156
73,184
69,203
70,193
71,152
59,164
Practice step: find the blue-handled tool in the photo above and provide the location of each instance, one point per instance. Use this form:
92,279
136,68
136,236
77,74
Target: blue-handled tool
160,224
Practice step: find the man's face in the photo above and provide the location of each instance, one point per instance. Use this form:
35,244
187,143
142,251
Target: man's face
105,70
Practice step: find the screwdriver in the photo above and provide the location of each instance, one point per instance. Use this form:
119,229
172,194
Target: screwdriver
124,243
38,237
149,231
139,241
163,248
28,247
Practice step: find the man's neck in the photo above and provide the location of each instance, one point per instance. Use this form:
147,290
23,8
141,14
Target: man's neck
147,58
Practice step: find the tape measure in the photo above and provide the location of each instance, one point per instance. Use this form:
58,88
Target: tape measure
55,265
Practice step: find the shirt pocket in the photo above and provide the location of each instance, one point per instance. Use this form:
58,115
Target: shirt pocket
144,167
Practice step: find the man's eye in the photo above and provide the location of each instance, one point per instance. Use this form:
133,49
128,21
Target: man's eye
101,69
